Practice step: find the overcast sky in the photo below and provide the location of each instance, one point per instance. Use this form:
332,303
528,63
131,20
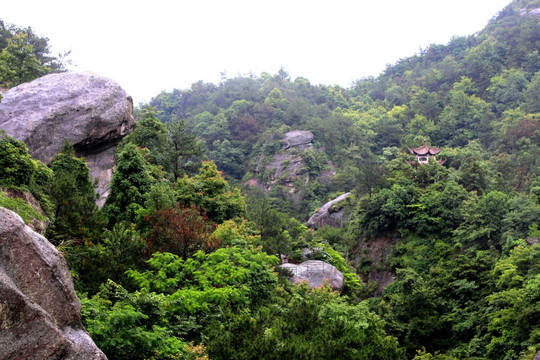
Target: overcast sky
150,46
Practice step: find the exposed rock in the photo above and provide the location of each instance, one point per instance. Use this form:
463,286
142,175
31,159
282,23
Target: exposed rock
91,112
329,214
39,310
300,139
375,253
534,12
316,273
287,168
537,356
532,240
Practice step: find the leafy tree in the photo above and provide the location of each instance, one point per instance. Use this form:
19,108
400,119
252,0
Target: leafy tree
482,220
130,182
184,150
74,197
507,89
19,63
180,230
174,300
150,133
531,95
16,166
228,158
211,192
514,316
107,257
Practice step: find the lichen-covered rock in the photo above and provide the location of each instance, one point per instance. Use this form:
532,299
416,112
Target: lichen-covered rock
325,216
92,112
316,273
39,310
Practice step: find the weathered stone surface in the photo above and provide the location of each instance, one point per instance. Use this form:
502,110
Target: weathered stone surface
39,310
316,273
537,356
325,216
91,112
298,139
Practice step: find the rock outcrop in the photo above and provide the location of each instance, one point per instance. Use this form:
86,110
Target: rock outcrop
331,214
39,310
316,273
287,167
299,139
372,257
93,113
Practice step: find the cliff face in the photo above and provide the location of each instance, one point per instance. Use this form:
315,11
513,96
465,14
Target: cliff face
39,310
91,112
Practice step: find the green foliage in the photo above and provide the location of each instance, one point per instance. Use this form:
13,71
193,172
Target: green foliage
73,195
211,192
130,182
16,166
120,328
26,212
113,253
174,299
466,285
514,314
308,324
180,230
19,62
150,133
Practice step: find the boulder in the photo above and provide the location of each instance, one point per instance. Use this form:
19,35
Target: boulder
298,139
316,273
327,215
92,112
39,310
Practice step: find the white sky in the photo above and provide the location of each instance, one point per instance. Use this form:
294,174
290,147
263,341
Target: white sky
150,46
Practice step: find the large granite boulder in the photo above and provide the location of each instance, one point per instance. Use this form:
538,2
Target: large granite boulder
39,310
300,139
316,273
331,214
91,112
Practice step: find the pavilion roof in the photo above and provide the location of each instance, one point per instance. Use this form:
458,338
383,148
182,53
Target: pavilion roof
425,150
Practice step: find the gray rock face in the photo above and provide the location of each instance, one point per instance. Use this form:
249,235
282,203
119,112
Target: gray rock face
91,112
316,273
298,139
39,310
325,216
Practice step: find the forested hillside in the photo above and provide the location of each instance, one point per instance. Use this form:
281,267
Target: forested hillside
209,197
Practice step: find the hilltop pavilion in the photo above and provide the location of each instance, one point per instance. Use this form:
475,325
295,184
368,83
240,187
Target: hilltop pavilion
424,152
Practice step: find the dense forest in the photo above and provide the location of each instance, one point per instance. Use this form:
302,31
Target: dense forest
182,261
